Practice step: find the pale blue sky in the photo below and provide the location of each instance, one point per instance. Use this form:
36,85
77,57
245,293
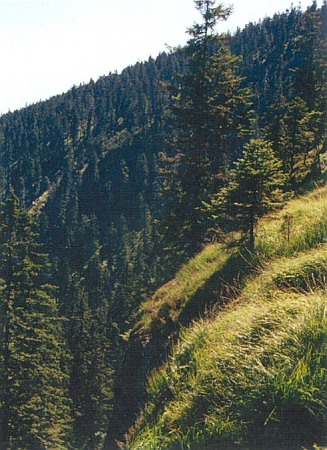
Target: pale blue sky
48,46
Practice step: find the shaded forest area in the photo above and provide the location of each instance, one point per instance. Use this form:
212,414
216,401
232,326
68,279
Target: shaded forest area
101,173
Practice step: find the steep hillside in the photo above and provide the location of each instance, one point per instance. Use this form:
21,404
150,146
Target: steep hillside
252,373
114,175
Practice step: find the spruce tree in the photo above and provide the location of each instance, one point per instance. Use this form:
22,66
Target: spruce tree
90,370
209,112
254,189
299,135
34,409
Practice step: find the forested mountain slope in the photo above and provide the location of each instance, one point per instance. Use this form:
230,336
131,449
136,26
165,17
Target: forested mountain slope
119,179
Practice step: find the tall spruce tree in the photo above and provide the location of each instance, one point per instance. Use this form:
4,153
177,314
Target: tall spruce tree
209,112
90,370
33,406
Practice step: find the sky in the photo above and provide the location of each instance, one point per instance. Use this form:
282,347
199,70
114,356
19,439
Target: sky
48,46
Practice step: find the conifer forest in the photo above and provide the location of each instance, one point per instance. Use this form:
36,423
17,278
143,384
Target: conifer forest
163,249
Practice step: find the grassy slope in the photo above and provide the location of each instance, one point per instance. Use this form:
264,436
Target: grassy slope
252,374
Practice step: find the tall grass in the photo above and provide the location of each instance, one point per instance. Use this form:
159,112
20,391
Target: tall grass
254,374
170,300
307,271
301,225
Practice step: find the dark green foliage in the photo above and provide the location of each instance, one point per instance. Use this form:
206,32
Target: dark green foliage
296,138
90,370
254,188
284,60
209,112
35,410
